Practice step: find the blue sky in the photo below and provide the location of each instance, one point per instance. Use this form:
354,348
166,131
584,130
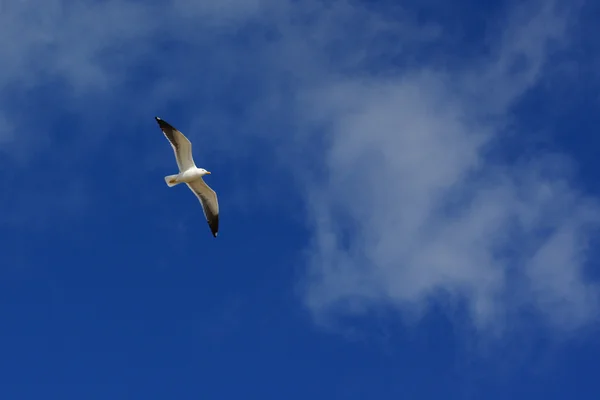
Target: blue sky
409,195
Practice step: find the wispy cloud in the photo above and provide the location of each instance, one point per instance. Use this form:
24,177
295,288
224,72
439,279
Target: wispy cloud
415,209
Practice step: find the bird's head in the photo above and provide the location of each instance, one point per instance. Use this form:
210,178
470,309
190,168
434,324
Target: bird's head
204,172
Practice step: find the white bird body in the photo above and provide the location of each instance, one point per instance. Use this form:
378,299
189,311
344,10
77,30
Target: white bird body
191,175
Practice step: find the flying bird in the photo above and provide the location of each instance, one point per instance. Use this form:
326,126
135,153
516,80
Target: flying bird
191,175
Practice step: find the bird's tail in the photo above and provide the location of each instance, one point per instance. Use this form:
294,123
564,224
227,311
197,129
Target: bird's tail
171,180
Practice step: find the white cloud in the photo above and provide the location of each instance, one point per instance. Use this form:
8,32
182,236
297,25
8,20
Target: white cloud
91,48
71,38
413,207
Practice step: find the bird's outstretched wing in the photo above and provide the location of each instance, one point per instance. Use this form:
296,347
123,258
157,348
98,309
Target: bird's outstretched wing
210,204
181,145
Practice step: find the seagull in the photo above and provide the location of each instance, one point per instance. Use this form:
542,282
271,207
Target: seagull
191,175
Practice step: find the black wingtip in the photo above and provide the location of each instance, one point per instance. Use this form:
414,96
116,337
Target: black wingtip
163,124
214,226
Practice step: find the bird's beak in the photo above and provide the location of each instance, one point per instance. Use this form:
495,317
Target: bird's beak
207,172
